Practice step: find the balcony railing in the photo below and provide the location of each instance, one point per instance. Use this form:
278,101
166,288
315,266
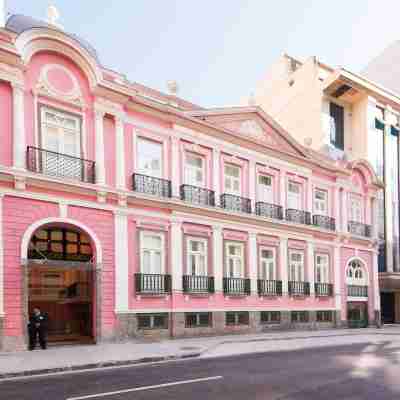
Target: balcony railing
151,185
59,165
197,195
236,286
324,222
198,284
269,210
357,291
323,289
235,203
152,283
269,288
360,229
299,288
298,216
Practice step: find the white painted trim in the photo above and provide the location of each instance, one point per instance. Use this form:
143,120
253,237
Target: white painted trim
19,139
63,206
176,251
364,265
190,239
159,234
121,262
356,299
217,260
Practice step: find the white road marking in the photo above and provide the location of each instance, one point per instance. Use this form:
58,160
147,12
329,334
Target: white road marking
92,396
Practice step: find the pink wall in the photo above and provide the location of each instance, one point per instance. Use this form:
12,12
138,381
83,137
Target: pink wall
6,115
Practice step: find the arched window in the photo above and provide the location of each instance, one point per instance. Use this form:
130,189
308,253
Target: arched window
356,274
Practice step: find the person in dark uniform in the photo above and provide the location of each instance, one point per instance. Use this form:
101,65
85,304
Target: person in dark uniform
37,327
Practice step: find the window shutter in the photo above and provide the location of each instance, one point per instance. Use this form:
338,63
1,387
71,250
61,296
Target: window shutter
337,113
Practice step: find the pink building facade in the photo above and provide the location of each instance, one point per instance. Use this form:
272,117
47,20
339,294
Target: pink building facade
125,212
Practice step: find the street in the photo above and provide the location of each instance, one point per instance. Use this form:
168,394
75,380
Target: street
360,371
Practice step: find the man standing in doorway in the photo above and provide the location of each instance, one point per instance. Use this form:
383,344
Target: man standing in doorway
37,327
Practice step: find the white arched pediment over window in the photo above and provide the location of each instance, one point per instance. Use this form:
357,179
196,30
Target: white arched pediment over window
356,273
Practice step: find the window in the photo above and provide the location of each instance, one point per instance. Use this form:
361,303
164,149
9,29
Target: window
232,179
149,158
197,257
270,317
356,213
267,264
265,192
152,321
356,274
294,192
196,320
237,318
152,253
324,316
320,202
322,268
234,255
194,170
299,316
296,266
337,126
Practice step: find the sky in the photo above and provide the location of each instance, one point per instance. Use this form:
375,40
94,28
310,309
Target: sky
217,50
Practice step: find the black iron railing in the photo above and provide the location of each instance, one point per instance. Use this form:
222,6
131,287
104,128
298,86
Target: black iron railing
240,286
357,291
360,229
197,195
269,288
152,283
59,165
235,203
298,216
299,288
198,284
269,210
324,221
323,289
151,185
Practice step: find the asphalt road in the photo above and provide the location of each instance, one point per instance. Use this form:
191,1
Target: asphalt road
362,372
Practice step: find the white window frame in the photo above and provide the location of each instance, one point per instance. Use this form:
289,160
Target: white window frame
233,180
319,203
263,194
228,257
352,274
296,268
197,254
142,171
265,271
295,197
356,200
160,235
195,169
322,267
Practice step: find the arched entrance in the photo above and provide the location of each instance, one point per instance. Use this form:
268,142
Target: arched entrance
61,281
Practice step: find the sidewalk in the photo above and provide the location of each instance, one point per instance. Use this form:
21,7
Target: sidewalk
71,358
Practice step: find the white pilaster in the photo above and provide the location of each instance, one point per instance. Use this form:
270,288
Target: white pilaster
121,262
253,264
283,264
217,175
282,184
1,259
311,268
337,276
99,149
377,298
344,207
375,217
336,208
120,153
175,160
176,256
19,140
310,189
252,183
218,261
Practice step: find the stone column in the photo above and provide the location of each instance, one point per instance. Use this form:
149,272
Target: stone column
217,175
99,149
311,268
218,261
176,246
253,262
175,167
337,283
283,264
120,153
19,140
252,184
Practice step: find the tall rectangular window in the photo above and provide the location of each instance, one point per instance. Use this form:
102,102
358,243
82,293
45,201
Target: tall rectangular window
151,252
356,210
194,170
232,179
267,264
337,128
265,192
320,202
296,266
197,256
149,158
322,268
234,256
294,195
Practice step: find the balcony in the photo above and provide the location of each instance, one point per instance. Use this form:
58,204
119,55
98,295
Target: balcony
235,203
59,165
269,288
299,288
269,210
359,229
197,195
236,286
357,291
198,284
152,283
298,216
323,289
325,222
151,185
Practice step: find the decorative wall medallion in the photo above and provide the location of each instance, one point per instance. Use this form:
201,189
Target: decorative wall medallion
254,130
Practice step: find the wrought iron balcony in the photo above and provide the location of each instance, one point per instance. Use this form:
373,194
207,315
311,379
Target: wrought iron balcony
236,286
198,284
197,195
357,291
59,165
360,229
152,283
151,185
299,288
323,289
269,210
324,222
235,203
298,216
269,288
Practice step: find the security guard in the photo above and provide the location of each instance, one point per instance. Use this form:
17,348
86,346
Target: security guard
37,326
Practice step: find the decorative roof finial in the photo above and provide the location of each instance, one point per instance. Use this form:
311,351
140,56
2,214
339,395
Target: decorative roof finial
173,87
252,100
2,13
53,15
